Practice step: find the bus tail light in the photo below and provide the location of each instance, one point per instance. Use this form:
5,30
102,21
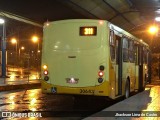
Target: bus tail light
45,67
101,67
45,72
100,80
100,73
46,78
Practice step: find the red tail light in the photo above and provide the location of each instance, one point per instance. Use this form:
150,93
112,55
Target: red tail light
45,72
100,73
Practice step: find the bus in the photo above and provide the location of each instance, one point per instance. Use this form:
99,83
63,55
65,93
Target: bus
92,57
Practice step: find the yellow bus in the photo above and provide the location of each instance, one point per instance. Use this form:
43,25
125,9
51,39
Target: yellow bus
92,57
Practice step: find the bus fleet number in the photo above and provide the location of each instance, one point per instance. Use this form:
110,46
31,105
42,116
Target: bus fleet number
86,91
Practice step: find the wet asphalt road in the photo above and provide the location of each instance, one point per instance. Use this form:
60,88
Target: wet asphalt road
50,106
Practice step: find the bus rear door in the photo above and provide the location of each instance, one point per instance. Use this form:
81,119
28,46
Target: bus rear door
118,65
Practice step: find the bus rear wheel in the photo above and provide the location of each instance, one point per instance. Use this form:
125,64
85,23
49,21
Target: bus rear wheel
127,89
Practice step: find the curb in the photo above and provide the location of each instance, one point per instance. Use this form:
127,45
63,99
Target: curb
20,86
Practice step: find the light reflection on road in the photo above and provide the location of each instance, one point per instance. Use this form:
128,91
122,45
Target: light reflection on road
20,101
14,72
32,101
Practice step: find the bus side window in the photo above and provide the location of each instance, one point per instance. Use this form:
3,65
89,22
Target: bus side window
131,51
145,55
125,49
140,53
112,45
136,52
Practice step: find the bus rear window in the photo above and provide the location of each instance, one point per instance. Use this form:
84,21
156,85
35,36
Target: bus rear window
88,31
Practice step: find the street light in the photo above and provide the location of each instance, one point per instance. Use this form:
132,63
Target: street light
19,55
14,41
35,39
3,47
153,30
21,48
2,21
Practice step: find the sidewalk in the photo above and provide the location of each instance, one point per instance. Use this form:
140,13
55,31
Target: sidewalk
142,106
7,84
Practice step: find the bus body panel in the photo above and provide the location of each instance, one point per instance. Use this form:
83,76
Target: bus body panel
74,59
98,90
74,56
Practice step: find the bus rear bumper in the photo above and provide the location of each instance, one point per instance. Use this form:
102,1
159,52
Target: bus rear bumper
98,90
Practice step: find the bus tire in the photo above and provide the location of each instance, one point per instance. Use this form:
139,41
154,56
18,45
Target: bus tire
127,89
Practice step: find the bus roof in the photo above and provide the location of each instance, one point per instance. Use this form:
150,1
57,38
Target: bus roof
112,26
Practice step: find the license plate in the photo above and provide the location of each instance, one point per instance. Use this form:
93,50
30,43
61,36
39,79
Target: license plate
72,80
